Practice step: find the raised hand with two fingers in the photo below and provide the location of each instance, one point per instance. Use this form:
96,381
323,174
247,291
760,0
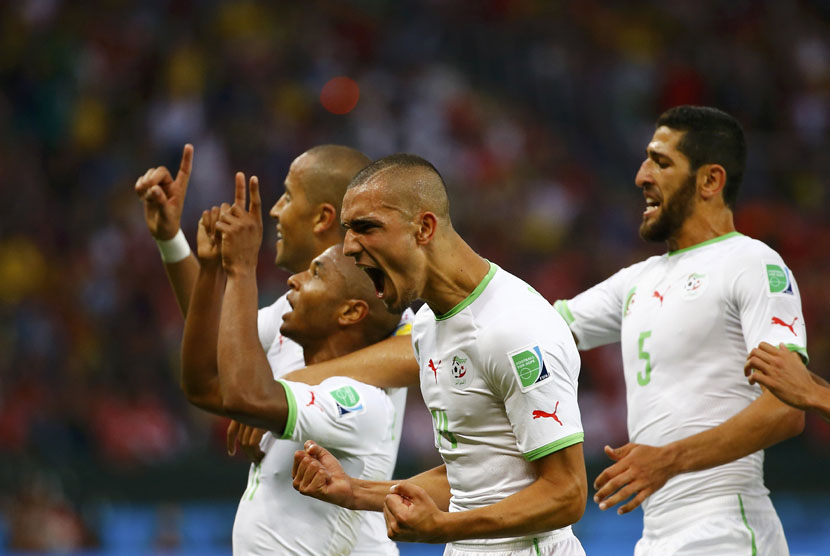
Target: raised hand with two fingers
241,228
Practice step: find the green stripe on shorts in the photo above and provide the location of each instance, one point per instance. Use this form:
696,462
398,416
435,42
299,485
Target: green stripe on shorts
751,532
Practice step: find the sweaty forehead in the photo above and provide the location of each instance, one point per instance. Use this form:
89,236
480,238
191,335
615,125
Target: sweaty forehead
665,140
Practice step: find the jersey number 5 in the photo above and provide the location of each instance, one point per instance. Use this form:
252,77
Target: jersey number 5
643,379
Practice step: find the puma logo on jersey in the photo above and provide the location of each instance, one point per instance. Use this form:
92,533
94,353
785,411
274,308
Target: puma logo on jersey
776,320
434,368
313,402
660,297
538,413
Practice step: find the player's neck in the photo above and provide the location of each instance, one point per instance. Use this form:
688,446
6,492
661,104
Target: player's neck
454,272
331,347
700,226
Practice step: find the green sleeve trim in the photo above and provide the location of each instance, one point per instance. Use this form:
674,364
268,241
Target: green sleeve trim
799,350
291,418
548,449
561,307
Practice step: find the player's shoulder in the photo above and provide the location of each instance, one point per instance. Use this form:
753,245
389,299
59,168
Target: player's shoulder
514,308
742,250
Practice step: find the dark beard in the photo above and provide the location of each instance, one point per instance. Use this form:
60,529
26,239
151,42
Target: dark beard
673,213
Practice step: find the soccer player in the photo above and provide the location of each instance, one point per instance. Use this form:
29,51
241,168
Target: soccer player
783,373
498,374
686,321
307,217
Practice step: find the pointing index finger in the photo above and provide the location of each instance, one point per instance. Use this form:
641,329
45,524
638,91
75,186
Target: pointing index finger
239,190
255,205
187,163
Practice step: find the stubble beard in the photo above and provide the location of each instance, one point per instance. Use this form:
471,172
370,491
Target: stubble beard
673,213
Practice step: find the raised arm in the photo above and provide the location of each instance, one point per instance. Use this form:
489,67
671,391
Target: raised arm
247,388
641,470
163,199
200,380
386,364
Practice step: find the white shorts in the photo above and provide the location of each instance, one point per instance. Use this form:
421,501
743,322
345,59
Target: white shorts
731,525
561,542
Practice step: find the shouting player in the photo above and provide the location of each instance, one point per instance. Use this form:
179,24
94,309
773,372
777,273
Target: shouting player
498,374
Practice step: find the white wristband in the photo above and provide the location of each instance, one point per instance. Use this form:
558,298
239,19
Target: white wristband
175,249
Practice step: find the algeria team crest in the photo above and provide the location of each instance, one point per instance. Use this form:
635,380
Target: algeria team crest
460,370
694,285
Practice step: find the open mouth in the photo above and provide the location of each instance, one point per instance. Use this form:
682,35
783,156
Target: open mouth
652,205
378,280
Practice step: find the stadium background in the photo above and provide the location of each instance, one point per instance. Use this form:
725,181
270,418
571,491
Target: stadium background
537,114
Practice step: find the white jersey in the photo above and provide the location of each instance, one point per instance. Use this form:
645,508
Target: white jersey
272,517
499,376
686,321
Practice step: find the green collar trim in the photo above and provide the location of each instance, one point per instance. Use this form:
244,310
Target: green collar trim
472,297
705,243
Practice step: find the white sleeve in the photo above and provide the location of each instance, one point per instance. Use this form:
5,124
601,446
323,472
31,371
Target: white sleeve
534,368
595,315
769,304
339,414
269,320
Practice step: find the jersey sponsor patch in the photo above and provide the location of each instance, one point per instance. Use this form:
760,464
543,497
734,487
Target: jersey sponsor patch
779,279
529,366
694,286
347,400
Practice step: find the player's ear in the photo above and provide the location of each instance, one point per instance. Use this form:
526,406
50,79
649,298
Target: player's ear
711,179
352,311
325,218
427,225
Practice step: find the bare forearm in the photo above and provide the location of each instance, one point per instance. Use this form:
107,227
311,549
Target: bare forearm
765,422
387,364
556,499
249,392
820,401
199,369
370,495
182,276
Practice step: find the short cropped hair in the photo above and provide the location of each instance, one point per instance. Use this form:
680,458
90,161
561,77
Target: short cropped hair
431,192
711,137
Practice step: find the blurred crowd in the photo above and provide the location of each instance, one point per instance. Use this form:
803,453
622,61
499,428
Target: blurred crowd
537,113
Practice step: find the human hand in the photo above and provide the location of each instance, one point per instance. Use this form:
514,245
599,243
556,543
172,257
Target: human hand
639,471
248,438
318,474
208,238
782,372
241,229
412,515
163,196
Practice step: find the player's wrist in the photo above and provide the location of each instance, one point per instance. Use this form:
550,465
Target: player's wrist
175,249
